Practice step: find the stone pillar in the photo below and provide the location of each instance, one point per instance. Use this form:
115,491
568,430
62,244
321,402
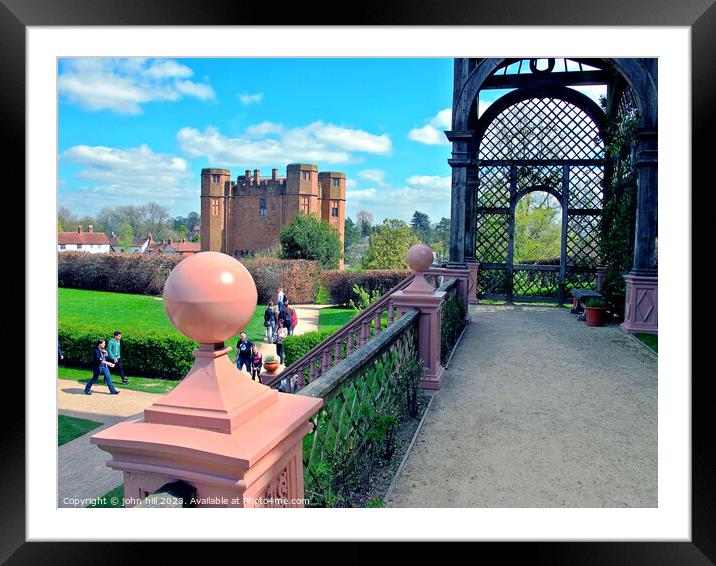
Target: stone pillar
473,268
237,442
601,274
422,295
641,309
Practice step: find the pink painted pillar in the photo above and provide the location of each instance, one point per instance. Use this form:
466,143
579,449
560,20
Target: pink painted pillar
421,295
239,443
642,304
473,268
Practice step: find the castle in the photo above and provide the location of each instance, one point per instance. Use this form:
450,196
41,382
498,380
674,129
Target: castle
245,216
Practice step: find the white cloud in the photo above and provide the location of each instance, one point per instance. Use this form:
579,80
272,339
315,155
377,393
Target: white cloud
247,98
112,176
376,176
432,132
426,193
315,143
124,85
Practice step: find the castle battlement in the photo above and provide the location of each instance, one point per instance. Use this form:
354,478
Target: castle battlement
246,215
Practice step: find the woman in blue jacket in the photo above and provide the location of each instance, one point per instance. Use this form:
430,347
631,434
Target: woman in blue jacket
100,365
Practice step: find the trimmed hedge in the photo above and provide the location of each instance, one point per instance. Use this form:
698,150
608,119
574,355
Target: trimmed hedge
339,284
295,347
145,274
153,354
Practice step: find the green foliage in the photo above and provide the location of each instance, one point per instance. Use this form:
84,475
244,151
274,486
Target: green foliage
126,237
351,234
651,340
595,303
335,316
153,353
365,298
452,321
322,296
295,347
307,237
340,284
616,237
389,244
420,223
375,503
538,227
412,373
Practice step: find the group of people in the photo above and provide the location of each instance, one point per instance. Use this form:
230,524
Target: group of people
102,360
279,323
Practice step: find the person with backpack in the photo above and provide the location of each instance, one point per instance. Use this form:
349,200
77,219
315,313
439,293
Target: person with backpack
256,364
270,322
288,314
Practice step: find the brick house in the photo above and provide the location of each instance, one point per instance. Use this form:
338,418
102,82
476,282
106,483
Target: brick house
180,247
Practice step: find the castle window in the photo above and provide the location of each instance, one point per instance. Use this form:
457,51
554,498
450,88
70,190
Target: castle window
306,175
336,182
305,206
215,207
334,212
263,211
215,178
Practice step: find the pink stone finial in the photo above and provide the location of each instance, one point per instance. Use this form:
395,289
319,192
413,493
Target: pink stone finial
209,297
420,257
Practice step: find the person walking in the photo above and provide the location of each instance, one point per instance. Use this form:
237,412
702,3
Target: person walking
115,355
243,357
287,314
281,333
270,322
100,365
60,357
281,299
256,364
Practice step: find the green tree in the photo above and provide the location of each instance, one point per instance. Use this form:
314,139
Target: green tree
364,221
421,226
126,236
389,245
351,234
538,232
307,237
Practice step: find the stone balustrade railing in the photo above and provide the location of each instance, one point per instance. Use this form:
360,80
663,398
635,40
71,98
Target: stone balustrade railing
362,329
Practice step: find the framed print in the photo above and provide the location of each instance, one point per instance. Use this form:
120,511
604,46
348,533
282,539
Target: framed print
181,97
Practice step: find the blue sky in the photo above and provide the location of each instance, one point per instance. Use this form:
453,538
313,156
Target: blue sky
135,130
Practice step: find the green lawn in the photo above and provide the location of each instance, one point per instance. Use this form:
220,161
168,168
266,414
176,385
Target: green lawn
69,428
122,311
145,384
650,340
334,316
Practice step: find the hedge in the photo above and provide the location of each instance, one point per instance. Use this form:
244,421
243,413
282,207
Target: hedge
145,274
339,284
295,347
154,354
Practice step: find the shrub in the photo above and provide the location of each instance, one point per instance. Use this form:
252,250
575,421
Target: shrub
322,296
155,354
365,298
595,303
452,321
340,284
145,274
295,347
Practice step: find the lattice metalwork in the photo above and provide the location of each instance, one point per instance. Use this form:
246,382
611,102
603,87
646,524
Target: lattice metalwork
535,283
586,186
583,240
343,426
494,187
493,282
491,238
542,128
542,175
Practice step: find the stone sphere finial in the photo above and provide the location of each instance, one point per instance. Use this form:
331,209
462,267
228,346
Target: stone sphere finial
420,257
209,297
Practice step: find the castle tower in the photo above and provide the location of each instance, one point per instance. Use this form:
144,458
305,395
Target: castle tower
302,194
215,187
333,201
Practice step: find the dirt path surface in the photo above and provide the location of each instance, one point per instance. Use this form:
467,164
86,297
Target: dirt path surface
538,410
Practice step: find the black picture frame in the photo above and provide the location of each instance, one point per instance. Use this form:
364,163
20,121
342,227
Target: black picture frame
699,15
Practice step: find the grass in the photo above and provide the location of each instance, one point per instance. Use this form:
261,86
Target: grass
69,428
111,499
123,311
651,340
335,316
145,384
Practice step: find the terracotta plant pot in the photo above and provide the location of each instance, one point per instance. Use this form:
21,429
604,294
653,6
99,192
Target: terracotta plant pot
271,367
595,315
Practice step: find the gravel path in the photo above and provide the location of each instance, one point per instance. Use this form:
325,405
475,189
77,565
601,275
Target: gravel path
538,410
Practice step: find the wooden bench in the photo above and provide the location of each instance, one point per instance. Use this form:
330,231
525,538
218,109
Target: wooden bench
580,295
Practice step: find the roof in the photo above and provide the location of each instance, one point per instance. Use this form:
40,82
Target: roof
96,238
178,247
137,242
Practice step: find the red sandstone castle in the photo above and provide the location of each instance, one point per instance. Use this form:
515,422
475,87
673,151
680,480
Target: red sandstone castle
247,215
